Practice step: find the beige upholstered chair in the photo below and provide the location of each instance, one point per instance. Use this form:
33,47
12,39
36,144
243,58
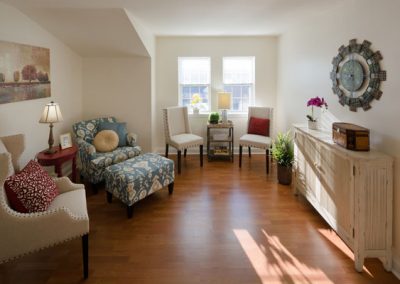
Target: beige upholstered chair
178,133
65,219
257,141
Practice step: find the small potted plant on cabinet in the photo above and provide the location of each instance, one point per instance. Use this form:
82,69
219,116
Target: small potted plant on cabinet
282,152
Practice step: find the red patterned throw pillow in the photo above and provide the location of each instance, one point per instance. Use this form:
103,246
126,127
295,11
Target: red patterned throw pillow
259,126
31,190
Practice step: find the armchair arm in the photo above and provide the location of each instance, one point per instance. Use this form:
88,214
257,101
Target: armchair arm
131,139
86,148
64,184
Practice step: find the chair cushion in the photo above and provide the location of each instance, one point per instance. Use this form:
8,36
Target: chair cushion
258,126
258,141
183,141
74,200
118,127
106,141
31,190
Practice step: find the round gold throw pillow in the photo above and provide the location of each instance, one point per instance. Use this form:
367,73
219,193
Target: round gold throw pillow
106,141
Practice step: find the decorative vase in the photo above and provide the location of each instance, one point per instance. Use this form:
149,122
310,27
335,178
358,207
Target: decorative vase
284,175
196,110
312,125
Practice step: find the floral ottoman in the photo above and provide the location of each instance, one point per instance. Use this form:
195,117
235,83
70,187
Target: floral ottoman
136,178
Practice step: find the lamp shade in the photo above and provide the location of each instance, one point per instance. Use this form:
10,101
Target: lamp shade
224,100
51,113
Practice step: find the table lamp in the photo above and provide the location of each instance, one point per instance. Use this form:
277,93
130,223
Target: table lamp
51,114
224,103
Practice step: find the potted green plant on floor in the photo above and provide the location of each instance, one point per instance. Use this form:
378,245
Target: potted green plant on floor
282,152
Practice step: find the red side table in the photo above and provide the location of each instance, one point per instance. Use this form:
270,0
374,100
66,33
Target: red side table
59,158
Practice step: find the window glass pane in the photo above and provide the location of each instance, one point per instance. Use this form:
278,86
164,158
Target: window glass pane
194,90
185,92
186,102
236,104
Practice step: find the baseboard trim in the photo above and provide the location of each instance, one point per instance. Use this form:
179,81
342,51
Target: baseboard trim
396,266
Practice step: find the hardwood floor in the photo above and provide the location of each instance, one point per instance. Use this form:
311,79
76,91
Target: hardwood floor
222,225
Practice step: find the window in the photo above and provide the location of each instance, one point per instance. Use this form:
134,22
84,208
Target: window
194,78
238,79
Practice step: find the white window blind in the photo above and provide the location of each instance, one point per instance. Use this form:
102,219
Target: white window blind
194,78
238,79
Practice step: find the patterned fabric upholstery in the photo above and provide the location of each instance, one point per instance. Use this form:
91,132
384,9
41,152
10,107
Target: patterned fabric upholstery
92,164
136,178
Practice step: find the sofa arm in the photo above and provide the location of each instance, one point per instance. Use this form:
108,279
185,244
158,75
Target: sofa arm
131,139
64,184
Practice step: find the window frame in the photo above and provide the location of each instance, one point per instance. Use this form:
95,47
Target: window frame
252,85
181,85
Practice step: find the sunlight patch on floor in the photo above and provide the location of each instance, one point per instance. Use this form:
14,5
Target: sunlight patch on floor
331,236
275,264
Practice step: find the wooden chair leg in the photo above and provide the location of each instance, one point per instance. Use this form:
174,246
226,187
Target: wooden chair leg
109,197
171,188
249,152
129,211
85,254
267,159
179,161
184,153
166,150
240,155
201,155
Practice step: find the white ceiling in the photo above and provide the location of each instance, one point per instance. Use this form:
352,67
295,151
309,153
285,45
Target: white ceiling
103,24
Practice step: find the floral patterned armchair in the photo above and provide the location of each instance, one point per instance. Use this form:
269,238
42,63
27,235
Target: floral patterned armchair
92,164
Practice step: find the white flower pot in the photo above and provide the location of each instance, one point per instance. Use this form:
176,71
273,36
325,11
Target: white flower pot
313,125
196,111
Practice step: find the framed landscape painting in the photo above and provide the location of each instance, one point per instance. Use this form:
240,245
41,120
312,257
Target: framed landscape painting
24,72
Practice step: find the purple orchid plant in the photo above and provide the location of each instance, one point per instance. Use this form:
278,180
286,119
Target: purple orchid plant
316,102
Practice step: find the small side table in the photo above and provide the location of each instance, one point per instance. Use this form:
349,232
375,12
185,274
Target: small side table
59,158
218,152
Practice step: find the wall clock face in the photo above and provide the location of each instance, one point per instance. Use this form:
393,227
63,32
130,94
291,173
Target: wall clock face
356,75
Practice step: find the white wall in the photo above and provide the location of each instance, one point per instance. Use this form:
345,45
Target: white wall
66,84
168,49
305,55
120,87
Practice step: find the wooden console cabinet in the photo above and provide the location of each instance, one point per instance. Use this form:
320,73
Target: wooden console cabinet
353,192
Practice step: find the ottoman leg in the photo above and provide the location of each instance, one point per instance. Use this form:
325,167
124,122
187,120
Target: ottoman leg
129,211
171,188
109,197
